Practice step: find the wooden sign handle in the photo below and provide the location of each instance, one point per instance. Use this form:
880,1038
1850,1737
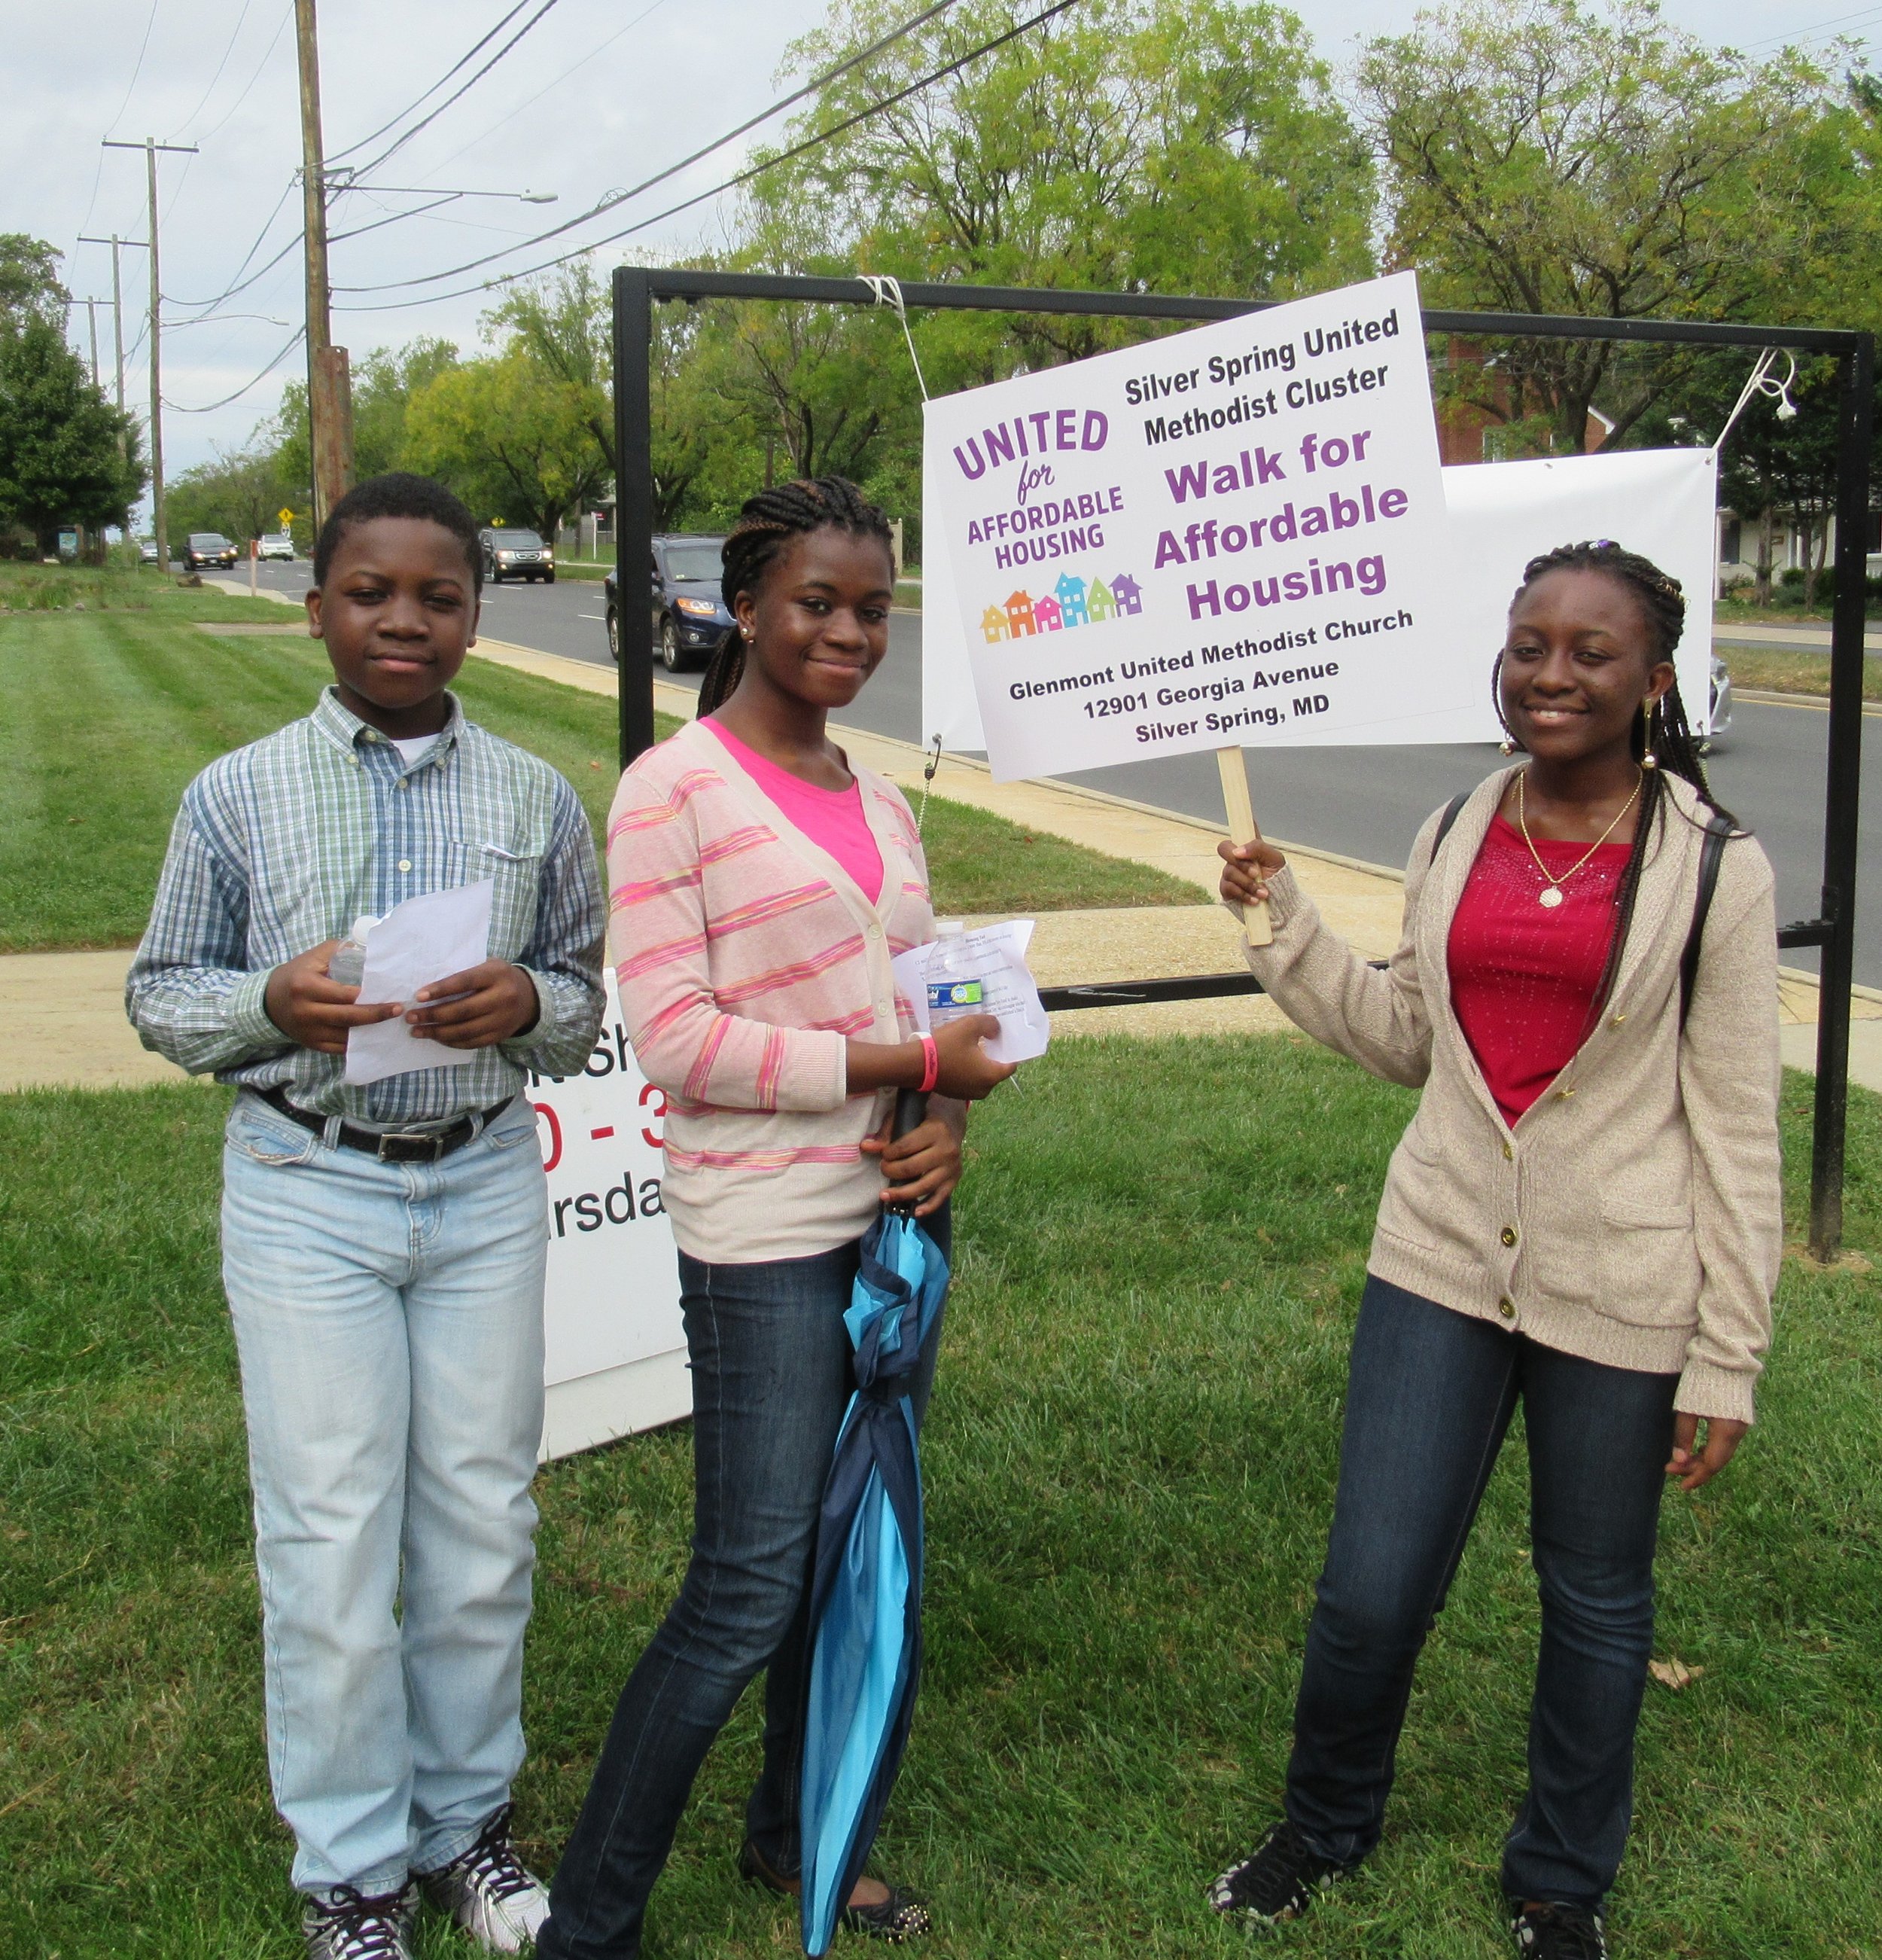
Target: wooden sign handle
1233,765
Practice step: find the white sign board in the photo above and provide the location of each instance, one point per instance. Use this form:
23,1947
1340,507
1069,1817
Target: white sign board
1659,502
615,1358
1230,536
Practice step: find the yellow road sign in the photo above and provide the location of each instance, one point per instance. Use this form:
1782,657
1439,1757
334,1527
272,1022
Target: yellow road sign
286,518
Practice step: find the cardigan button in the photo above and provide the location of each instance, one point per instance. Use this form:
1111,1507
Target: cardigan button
1509,1235
1508,1151
1507,1307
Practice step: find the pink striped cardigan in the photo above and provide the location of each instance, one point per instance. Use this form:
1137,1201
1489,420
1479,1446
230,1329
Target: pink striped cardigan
746,956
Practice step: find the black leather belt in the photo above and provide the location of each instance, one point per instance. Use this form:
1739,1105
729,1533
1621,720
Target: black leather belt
390,1146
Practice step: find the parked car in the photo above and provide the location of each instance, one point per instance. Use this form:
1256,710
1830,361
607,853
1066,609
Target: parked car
208,548
509,554
278,545
688,617
147,551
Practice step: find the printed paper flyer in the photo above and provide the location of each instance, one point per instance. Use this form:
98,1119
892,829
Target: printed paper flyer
1234,535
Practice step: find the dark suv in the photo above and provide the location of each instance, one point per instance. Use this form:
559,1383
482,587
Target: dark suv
687,618
516,555
208,548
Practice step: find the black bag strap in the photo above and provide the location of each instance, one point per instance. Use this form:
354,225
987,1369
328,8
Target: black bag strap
1717,829
1445,823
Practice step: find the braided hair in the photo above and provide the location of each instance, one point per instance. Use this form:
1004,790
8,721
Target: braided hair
1662,740
767,524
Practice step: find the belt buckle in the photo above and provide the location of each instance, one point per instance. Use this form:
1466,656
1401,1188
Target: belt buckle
411,1146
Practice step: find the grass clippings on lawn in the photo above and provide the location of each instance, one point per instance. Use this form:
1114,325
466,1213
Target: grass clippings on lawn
109,714
1130,1463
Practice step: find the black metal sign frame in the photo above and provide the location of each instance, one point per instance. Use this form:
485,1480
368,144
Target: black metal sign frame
636,289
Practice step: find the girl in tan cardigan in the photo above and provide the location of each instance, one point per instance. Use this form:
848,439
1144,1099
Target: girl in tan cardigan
1584,1215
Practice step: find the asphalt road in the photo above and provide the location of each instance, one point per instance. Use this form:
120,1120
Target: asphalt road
1364,802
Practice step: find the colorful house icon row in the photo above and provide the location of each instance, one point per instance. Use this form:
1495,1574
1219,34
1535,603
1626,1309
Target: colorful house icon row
1072,602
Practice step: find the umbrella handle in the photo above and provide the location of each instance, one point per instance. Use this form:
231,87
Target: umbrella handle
911,1111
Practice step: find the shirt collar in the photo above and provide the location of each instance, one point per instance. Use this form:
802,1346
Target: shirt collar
342,726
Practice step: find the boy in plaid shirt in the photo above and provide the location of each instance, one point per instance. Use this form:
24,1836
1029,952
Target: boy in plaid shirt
383,1245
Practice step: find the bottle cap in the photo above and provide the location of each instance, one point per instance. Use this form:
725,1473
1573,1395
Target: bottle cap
949,928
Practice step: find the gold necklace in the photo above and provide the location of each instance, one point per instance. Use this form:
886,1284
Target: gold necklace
1551,892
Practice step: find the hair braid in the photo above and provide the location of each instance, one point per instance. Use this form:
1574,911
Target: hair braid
1674,748
766,524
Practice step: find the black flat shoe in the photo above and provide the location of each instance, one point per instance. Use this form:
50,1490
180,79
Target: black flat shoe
900,1917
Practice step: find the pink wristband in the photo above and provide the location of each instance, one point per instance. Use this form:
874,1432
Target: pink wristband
930,1063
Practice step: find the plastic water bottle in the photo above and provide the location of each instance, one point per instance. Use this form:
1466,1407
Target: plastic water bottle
956,987
348,967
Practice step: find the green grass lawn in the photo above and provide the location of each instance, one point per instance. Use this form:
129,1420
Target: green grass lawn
1130,1462
108,713
1780,670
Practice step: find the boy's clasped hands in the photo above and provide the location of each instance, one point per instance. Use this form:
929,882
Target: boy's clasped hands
489,1003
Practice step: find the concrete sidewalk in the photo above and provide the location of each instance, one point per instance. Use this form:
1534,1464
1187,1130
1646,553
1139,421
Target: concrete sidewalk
65,1009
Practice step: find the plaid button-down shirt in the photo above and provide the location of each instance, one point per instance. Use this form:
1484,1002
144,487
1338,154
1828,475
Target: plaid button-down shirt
280,845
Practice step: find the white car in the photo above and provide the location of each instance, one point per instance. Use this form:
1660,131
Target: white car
277,544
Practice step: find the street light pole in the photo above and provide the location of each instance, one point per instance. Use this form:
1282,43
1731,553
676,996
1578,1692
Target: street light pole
150,146
329,385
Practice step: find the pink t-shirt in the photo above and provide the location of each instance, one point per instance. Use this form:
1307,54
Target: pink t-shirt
832,819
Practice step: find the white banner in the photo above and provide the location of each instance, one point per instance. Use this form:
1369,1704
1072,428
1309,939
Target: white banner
616,1353
1233,535
1660,502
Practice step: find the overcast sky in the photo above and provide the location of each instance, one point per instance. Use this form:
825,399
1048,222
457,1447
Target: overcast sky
602,94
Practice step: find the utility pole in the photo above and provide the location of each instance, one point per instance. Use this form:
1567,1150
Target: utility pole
150,146
117,244
329,384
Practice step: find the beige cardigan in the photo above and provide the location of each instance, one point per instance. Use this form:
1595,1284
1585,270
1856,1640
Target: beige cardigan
1633,1215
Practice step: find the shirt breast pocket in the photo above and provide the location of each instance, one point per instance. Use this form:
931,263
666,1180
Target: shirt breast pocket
515,868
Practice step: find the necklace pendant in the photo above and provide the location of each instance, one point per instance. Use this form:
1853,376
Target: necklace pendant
1549,896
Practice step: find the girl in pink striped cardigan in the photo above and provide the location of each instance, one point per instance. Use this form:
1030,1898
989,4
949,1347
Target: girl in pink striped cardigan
760,884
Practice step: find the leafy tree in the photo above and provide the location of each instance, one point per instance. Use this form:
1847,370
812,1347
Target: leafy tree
383,384
66,456
1545,157
1164,146
29,287
241,494
513,441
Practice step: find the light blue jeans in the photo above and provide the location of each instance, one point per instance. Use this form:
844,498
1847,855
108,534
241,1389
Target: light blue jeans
389,1318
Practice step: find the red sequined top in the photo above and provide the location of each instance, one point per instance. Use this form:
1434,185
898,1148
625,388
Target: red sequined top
1523,976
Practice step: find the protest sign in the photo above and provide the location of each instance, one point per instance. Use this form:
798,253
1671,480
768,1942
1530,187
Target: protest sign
614,1357
1659,502
1233,535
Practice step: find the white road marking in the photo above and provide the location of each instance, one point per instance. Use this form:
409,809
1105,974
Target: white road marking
598,618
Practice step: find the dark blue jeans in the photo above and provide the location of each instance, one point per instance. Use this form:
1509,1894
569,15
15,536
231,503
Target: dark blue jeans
771,1367
1429,1396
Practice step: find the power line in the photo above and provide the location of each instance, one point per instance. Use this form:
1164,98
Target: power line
743,176
530,101
468,55
616,197
248,87
399,142
240,284
143,49
177,408
241,21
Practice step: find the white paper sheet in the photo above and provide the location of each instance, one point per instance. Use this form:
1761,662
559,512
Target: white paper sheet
427,938
998,954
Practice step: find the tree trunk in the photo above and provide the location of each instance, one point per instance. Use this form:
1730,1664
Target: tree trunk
1767,524
1816,549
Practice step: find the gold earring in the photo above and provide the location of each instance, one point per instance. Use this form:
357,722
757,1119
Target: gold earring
1648,760
1508,746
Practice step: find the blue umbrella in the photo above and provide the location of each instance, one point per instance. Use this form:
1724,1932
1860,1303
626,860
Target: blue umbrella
865,1589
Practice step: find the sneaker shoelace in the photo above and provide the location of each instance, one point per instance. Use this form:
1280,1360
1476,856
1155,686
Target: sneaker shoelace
1567,1933
492,1860
371,1923
1280,1876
